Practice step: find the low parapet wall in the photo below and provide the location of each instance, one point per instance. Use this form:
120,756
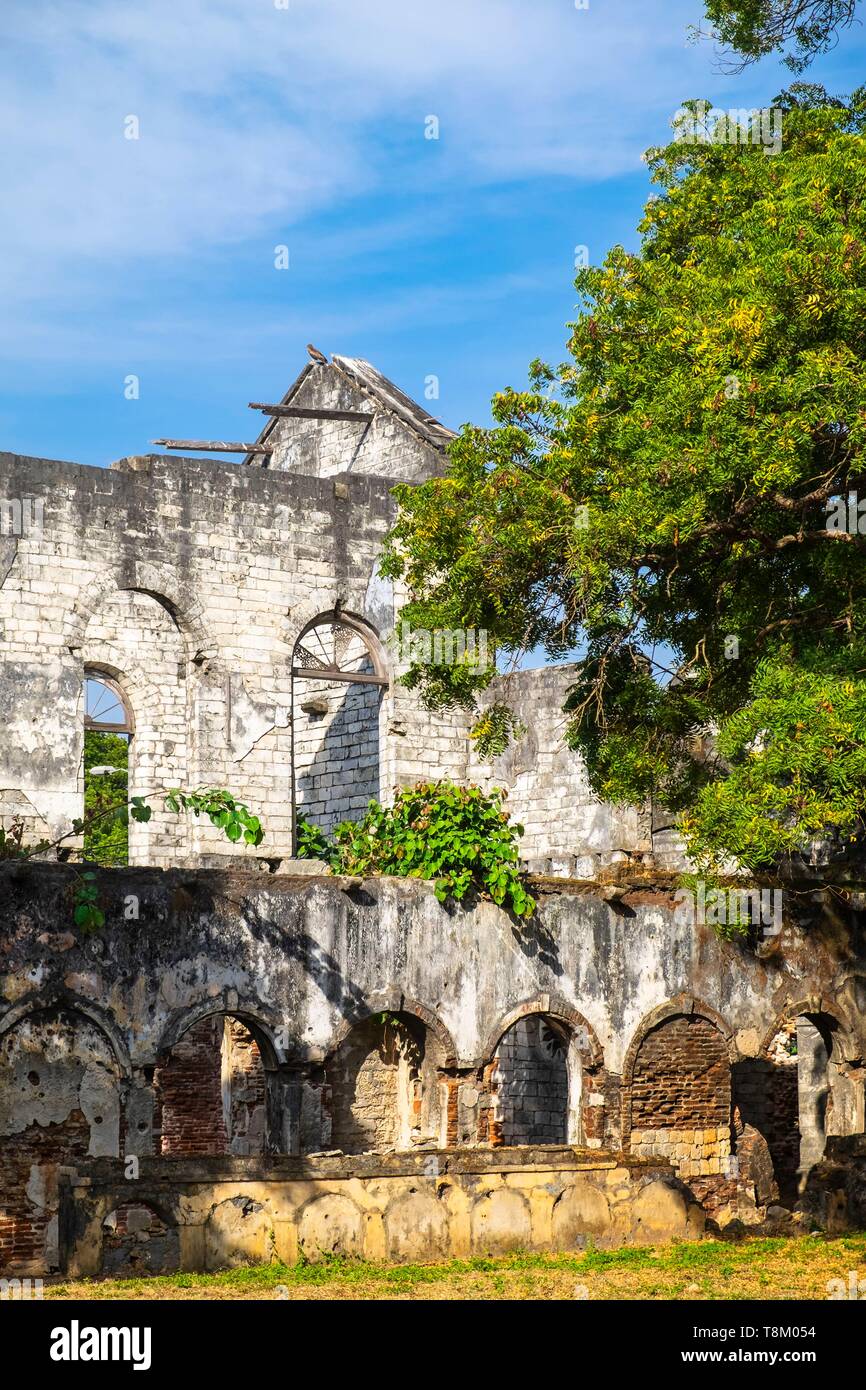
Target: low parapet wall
211,1213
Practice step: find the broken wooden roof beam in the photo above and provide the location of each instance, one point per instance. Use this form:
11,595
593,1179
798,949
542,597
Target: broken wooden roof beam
214,446
303,412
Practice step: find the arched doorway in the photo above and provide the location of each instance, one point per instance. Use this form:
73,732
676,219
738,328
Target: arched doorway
382,1086
527,1084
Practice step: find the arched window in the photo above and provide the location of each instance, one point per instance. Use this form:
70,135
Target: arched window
338,677
108,730
105,707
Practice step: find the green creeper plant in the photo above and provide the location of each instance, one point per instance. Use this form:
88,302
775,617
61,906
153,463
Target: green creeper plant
460,838
223,810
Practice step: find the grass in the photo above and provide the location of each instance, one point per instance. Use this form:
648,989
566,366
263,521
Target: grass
709,1269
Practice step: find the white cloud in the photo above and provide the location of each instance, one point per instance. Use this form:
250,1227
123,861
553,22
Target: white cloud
257,122
252,116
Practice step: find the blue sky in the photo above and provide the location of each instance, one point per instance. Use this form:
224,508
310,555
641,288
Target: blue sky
304,127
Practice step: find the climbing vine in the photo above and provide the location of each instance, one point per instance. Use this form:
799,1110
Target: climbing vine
223,810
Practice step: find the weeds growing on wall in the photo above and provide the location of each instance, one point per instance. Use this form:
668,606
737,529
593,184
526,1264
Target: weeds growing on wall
460,838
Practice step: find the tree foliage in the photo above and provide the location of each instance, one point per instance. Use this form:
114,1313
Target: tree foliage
106,828
659,502
750,29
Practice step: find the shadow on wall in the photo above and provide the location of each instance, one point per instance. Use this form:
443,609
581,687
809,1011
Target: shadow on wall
136,1240
528,1084
382,1087
787,1096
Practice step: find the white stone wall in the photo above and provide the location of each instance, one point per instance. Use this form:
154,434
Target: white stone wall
567,829
190,582
385,445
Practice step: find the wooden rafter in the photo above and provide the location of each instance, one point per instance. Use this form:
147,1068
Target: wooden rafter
214,446
303,412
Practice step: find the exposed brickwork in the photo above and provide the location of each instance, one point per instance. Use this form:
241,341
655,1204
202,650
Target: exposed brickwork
211,1092
681,1077
681,1097
243,1072
189,1093
29,1164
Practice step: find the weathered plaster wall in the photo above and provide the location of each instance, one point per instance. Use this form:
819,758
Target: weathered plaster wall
302,962
443,1206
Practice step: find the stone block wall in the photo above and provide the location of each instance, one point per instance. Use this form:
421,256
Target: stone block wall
567,829
530,1085
336,750
189,582
386,444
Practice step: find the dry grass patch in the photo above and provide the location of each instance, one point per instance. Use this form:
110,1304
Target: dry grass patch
709,1269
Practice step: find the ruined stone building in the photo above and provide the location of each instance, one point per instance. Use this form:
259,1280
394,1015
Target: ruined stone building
254,1057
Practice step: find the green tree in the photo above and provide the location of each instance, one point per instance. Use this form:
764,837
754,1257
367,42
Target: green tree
659,503
750,29
106,829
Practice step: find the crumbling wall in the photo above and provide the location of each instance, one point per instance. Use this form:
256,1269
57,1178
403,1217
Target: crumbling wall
654,1009
382,1087
212,571
211,1093
384,444
136,1241
60,1099
680,1096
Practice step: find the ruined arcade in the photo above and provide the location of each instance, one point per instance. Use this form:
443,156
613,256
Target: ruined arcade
299,1062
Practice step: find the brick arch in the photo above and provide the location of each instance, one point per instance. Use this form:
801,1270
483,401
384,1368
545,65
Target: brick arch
394,1001
680,1007
262,1028
845,1049
551,1006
